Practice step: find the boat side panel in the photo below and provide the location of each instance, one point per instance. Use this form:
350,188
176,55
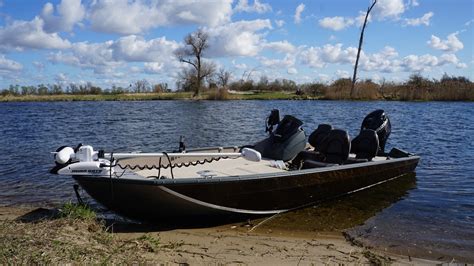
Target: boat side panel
288,192
251,195
145,201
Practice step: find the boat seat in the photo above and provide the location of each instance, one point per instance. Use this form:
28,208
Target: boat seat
318,135
308,155
334,149
365,145
308,164
336,146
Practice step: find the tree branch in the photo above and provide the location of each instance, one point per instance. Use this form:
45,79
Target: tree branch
189,62
354,77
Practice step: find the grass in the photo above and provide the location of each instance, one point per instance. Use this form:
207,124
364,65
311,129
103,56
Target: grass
98,97
211,95
73,236
76,211
339,90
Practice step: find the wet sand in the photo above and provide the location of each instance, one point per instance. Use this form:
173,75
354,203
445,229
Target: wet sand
238,243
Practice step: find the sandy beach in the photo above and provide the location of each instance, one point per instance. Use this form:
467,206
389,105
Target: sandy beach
60,240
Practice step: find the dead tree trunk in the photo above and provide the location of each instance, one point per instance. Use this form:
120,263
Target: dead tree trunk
361,40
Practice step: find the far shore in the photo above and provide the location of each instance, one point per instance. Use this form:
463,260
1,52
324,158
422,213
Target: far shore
66,240
188,96
153,97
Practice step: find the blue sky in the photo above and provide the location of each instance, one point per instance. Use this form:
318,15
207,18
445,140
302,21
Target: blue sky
118,42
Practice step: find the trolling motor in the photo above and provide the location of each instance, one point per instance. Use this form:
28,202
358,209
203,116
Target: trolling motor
272,120
82,160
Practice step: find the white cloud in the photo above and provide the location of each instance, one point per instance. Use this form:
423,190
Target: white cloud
61,78
452,59
96,56
106,56
280,46
241,66
451,44
342,74
154,67
288,61
7,65
298,11
279,22
136,49
424,20
417,63
238,38
39,65
318,57
389,9
70,13
134,16
258,7
336,23
292,71
325,78
413,3
30,34
387,60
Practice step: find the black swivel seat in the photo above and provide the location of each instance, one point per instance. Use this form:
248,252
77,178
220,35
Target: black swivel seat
318,136
365,145
313,158
336,147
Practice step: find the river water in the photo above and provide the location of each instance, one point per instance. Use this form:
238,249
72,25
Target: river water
431,213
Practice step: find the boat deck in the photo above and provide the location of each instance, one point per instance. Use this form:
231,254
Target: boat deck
215,169
221,168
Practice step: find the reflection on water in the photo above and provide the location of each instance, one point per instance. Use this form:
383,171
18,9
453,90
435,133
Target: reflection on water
341,213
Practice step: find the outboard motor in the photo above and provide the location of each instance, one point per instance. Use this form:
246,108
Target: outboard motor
272,120
285,142
379,122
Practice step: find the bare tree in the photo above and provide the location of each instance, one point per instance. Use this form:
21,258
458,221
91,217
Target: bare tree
141,86
223,77
192,54
361,40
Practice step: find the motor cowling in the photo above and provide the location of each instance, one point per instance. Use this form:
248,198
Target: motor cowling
82,160
285,142
379,122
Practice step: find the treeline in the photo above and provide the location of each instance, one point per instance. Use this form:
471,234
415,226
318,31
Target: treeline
416,88
140,86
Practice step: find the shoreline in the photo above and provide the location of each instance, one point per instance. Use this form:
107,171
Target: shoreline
187,96
230,243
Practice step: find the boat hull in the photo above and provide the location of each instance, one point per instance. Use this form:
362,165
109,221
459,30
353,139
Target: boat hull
159,199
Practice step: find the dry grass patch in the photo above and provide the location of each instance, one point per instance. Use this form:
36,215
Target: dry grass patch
73,235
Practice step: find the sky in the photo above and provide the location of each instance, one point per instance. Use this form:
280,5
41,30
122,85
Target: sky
117,42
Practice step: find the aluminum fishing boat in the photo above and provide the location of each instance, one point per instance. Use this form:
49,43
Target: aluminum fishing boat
285,171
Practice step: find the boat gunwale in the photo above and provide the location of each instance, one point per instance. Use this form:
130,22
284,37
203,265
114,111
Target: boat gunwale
249,177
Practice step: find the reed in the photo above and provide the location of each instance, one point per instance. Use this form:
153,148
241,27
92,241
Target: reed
218,94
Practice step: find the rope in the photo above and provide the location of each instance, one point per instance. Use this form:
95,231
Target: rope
160,166
179,165
110,178
169,161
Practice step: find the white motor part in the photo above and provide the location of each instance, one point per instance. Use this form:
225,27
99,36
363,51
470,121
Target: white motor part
85,154
251,155
87,168
64,155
